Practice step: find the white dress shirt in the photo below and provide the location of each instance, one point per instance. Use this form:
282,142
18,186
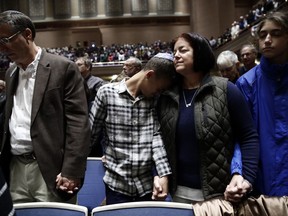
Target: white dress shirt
20,121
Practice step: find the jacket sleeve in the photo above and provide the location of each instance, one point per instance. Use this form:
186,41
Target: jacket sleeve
245,133
159,152
236,164
77,123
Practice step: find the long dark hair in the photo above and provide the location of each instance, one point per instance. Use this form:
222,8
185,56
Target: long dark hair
204,59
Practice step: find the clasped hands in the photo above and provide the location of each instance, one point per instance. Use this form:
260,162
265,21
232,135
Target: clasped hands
160,188
237,189
68,185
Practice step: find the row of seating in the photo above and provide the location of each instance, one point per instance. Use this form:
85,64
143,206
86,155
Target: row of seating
92,196
147,208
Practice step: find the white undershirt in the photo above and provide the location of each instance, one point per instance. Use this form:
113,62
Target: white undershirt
20,120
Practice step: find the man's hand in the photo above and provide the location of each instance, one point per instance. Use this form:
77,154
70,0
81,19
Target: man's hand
237,189
66,184
160,188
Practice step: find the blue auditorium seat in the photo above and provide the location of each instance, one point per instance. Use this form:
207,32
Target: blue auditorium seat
146,208
92,192
49,209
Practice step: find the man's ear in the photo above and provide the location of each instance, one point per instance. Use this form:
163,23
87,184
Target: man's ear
27,33
238,64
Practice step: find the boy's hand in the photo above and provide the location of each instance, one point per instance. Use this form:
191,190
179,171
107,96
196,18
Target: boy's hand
160,188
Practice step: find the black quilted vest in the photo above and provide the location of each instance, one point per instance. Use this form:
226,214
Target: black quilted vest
214,134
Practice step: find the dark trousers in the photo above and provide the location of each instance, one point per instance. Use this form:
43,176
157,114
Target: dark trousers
113,197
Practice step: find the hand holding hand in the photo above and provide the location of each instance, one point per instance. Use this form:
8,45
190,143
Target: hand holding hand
160,188
237,189
66,184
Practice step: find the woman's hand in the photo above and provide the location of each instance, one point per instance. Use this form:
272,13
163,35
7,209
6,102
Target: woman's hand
237,189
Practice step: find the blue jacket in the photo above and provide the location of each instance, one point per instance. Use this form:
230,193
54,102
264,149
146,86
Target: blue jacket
265,88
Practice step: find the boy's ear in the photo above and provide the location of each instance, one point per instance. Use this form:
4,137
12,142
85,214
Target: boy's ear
149,74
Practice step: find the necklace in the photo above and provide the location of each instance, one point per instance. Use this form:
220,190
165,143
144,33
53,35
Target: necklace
189,104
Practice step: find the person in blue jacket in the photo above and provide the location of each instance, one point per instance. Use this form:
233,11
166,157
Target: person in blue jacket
265,88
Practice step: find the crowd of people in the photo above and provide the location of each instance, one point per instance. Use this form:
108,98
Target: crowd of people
170,127
247,21
144,51
114,52
105,53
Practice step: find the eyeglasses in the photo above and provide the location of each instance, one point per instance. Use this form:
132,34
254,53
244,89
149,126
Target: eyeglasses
6,40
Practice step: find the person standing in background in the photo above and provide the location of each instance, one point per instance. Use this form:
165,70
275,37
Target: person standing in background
248,55
130,67
46,129
93,83
228,64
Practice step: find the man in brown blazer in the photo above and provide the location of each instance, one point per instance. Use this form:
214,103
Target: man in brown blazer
46,130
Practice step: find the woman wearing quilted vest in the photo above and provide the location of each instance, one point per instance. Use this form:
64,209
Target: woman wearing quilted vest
202,119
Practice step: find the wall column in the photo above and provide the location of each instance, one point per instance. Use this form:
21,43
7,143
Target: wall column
211,17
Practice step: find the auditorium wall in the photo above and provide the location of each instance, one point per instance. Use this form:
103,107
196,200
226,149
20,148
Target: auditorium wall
64,23
108,35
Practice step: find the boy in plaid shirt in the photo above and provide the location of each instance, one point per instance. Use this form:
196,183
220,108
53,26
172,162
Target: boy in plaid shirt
133,144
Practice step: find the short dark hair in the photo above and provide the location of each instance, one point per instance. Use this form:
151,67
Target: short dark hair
18,21
163,68
204,59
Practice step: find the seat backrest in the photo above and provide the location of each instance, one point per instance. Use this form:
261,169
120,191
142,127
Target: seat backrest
49,209
145,208
92,192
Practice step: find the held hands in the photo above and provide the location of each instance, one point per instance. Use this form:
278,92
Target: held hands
67,185
160,188
237,189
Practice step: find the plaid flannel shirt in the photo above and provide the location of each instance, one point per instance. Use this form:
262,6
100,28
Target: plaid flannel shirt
133,143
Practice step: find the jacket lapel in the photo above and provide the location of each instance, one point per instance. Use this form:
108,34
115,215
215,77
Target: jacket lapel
41,81
11,90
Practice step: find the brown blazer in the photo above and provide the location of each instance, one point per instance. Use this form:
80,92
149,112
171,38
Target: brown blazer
60,130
